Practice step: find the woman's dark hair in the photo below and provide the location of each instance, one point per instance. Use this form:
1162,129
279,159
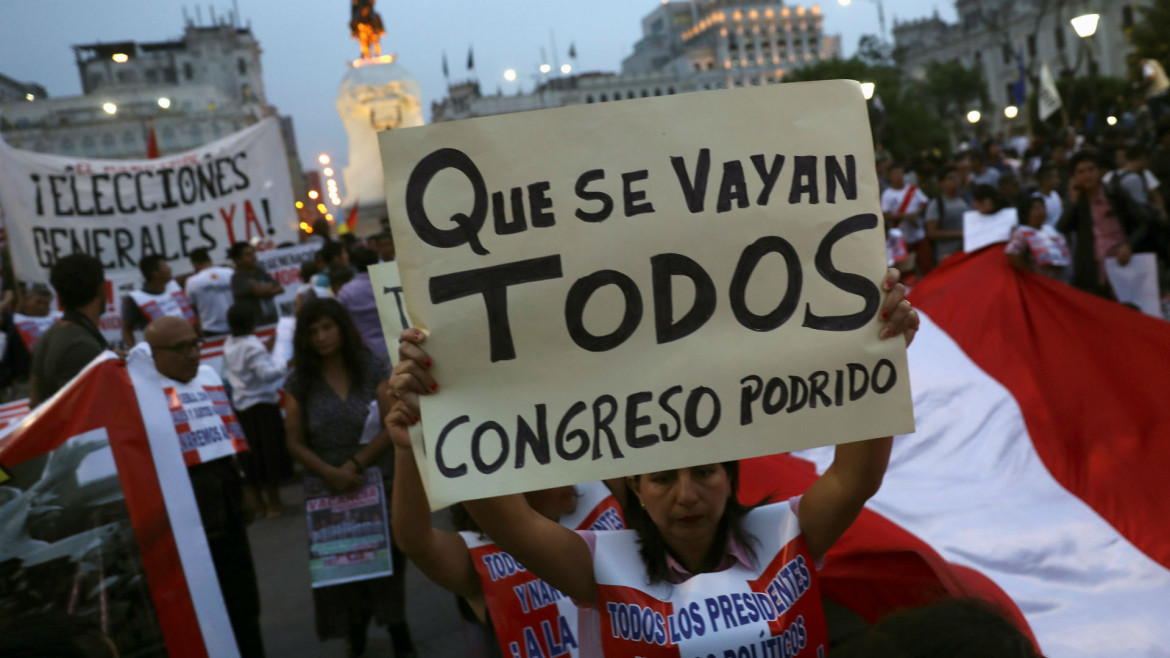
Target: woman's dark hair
363,258
306,361
958,628
241,319
988,192
1024,210
329,252
78,279
339,275
654,548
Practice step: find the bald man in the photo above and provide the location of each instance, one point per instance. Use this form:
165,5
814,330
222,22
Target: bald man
218,491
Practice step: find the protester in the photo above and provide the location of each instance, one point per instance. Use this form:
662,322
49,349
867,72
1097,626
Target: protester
159,296
357,296
256,379
944,215
209,290
1095,227
175,348
1036,246
308,289
252,285
333,382
74,341
383,244
331,255
981,173
688,526
22,330
1047,184
902,205
339,275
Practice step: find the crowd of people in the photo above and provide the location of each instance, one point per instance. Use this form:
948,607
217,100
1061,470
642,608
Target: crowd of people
1079,198
1074,200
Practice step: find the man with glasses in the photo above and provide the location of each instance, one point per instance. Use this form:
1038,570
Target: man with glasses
209,450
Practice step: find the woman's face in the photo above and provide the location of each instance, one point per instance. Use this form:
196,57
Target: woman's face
985,206
686,503
325,337
1037,215
553,503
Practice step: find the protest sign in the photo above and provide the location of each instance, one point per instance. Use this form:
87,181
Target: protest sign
629,287
233,189
980,230
284,264
101,522
391,304
1137,282
349,538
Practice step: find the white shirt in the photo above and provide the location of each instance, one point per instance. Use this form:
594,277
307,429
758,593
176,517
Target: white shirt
254,375
1053,205
1152,182
912,231
210,292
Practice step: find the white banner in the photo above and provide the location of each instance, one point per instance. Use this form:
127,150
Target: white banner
980,230
1049,101
284,265
230,190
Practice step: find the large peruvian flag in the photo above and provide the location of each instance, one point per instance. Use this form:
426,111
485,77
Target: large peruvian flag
1038,477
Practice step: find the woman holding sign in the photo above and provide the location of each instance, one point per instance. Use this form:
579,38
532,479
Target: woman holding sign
699,573
334,380
469,565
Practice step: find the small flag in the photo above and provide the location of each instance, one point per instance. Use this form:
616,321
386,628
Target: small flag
151,144
1049,101
1020,88
350,224
470,58
573,50
446,70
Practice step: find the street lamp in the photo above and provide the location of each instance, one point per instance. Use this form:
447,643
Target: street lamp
566,68
867,90
1111,120
510,75
323,159
164,103
1011,111
545,68
1085,26
974,116
110,108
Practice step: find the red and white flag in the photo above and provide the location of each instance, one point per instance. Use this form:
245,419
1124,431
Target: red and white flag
1038,470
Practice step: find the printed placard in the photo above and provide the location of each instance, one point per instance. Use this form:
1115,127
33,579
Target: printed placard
349,536
203,418
629,287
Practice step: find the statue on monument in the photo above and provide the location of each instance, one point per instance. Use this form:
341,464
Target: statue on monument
365,25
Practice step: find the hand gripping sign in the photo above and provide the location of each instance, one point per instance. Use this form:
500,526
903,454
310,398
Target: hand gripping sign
629,287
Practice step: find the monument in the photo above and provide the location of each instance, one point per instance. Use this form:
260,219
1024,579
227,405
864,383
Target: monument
376,94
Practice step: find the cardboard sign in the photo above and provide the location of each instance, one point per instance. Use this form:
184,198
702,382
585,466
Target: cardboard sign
980,230
391,304
630,287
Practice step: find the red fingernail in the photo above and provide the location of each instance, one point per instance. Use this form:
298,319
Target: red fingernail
418,335
885,315
434,386
428,363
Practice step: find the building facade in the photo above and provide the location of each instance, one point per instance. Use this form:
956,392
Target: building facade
685,46
193,90
991,35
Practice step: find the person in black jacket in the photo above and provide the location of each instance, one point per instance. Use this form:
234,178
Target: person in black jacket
1101,227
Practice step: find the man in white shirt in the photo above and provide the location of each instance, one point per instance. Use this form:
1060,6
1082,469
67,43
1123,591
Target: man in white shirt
210,291
1047,180
902,206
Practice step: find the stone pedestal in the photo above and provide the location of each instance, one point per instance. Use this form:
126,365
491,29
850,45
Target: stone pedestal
377,94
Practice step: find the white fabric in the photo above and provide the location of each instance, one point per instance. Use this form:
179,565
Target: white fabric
254,375
980,230
169,302
210,293
1137,282
1053,207
970,484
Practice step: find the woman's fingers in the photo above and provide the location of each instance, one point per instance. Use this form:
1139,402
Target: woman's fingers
410,376
412,336
896,323
896,294
412,352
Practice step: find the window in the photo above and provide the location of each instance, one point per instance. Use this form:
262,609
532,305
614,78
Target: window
151,75
631,94
589,98
88,145
241,66
1009,93
188,71
1059,35
1031,45
670,91
645,93
169,74
1127,16
129,141
978,58
604,98
658,91
67,146
1007,53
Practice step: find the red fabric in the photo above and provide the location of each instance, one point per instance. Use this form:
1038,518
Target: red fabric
104,397
1091,378
351,219
151,144
876,567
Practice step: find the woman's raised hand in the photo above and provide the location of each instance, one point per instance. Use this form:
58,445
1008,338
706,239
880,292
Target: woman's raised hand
898,317
411,378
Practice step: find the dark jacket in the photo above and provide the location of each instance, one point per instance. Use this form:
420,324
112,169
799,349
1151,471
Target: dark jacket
1077,222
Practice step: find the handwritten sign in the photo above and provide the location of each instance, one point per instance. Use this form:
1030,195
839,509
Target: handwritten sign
630,287
391,304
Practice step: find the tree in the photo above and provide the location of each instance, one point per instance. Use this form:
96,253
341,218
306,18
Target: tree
906,127
1148,33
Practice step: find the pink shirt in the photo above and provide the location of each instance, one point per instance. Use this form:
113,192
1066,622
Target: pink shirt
1107,233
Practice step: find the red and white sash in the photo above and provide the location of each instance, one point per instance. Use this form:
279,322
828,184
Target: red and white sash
173,301
31,328
532,618
911,190
773,609
203,417
1048,247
